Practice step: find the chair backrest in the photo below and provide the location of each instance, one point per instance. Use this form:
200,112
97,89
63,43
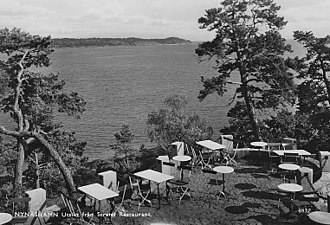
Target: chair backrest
192,152
273,147
187,170
209,171
291,157
122,194
64,199
171,169
73,205
228,141
114,187
134,181
22,203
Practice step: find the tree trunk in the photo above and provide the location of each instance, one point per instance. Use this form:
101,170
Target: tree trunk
251,114
326,81
247,99
54,154
18,181
59,162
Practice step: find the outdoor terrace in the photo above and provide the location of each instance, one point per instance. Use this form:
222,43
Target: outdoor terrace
251,198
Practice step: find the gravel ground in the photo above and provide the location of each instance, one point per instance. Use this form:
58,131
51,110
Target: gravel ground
252,198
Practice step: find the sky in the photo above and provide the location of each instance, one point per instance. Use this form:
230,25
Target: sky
143,18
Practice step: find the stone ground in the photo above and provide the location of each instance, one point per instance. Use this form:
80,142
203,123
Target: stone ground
252,198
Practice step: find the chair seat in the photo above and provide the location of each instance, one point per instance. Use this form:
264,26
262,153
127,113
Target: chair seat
216,182
177,182
19,220
180,189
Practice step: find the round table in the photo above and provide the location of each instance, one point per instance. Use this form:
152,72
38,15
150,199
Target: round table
320,217
288,166
223,170
5,218
182,158
290,187
258,144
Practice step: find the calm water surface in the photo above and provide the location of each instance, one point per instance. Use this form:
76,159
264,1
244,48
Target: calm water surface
121,85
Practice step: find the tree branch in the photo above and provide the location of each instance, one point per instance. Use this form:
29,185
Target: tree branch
16,107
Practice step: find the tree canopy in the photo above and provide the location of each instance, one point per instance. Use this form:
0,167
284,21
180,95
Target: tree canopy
31,98
248,50
174,123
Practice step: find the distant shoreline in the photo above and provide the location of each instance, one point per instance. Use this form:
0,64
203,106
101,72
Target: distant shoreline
102,42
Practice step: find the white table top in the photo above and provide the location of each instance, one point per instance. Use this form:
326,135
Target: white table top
300,152
98,191
177,143
153,176
211,145
258,144
182,158
5,218
290,187
223,169
288,166
324,153
320,217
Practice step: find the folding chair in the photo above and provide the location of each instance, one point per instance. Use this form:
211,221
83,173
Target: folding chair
274,158
141,192
229,154
180,187
196,159
81,214
19,205
205,158
290,157
285,199
117,202
114,187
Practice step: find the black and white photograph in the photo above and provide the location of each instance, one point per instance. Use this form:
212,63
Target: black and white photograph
165,112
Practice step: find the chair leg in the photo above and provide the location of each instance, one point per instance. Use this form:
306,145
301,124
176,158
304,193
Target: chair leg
184,193
144,199
219,195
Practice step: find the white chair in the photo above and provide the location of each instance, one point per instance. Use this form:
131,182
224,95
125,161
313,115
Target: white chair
195,159
229,154
78,211
141,192
274,158
119,201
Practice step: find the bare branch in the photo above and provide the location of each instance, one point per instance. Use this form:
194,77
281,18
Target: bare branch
233,82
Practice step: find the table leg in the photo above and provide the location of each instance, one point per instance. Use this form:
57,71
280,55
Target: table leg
158,196
181,177
223,179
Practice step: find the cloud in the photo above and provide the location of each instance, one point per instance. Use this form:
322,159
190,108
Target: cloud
143,18
87,18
